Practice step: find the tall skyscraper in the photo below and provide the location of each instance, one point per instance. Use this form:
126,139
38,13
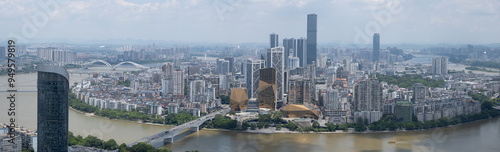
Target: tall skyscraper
302,51
376,47
52,123
277,62
252,75
274,40
231,63
311,38
290,46
440,66
267,95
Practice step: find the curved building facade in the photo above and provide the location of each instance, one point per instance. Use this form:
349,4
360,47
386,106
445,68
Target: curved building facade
239,99
52,125
267,89
298,111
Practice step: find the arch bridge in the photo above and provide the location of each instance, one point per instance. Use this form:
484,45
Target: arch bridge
113,67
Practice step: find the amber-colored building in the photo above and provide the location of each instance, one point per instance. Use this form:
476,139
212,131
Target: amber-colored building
239,99
298,111
267,93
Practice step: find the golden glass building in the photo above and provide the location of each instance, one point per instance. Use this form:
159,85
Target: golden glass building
267,93
239,99
298,111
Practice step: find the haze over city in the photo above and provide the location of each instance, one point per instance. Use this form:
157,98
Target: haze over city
411,22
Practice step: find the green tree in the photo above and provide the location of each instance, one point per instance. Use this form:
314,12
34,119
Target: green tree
92,141
110,145
142,147
253,126
315,124
224,99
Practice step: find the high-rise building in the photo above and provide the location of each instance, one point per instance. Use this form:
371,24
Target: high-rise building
440,66
231,63
273,40
376,47
178,83
290,46
252,75
368,95
302,51
223,66
418,92
56,55
311,38
197,91
277,62
52,126
332,99
267,93
368,99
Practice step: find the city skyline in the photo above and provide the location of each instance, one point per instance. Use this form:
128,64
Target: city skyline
429,22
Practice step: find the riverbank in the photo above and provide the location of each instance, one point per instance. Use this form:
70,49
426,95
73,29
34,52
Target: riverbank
272,130
92,115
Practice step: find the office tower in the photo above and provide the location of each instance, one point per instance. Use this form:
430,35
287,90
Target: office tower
418,92
53,87
276,60
290,46
197,91
223,66
252,75
274,40
440,66
302,51
311,38
368,95
178,83
376,47
239,99
267,93
231,63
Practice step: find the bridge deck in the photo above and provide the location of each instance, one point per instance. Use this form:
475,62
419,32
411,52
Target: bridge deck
160,137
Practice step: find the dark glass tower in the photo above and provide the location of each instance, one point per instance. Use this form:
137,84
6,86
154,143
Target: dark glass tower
274,40
301,51
376,47
311,38
53,87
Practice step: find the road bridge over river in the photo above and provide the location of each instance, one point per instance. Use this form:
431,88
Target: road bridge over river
160,139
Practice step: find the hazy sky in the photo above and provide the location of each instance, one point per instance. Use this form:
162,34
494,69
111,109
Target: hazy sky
235,21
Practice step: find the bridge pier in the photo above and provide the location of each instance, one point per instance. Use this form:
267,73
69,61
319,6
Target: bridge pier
195,129
169,140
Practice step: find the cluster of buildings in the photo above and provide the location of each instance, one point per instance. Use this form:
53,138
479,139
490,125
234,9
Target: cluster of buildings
25,138
56,55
